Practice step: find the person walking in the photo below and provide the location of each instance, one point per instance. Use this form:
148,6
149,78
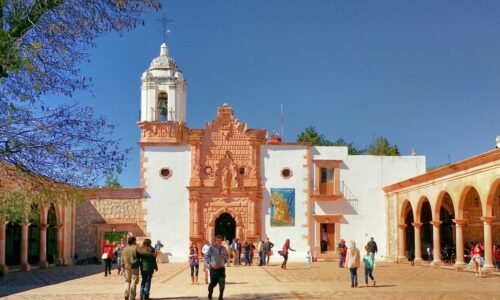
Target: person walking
352,262
251,251
194,263
148,266
369,263
226,245
118,254
284,253
131,268
260,251
236,255
267,250
373,247
342,249
246,253
240,248
215,257
476,258
158,253
309,259
107,257
206,268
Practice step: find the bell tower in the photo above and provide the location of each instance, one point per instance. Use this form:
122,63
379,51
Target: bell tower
163,90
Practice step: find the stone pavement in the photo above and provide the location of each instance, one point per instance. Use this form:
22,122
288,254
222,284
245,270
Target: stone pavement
323,281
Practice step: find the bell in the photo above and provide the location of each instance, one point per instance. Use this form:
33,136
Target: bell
163,108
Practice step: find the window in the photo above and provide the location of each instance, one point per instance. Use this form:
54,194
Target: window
165,173
286,173
243,171
162,107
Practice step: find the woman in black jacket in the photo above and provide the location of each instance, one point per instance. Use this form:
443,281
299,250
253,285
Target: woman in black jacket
148,265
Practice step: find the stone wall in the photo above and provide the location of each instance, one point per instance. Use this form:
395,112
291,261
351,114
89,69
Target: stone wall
107,211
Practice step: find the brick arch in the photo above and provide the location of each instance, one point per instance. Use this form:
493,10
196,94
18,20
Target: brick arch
491,198
420,204
436,211
404,211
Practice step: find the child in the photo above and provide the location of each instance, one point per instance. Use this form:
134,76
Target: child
369,263
309,259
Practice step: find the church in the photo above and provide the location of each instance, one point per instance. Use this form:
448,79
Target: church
229,179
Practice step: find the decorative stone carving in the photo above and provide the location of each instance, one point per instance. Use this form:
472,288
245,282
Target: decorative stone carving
163,132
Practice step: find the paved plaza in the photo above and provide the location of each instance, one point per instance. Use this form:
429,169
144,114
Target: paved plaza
323,281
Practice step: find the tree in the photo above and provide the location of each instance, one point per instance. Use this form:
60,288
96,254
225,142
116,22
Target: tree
66,144
112,182
351,149
381,146
43,41
310,135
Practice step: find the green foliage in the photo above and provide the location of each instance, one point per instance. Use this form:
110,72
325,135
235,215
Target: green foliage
310,135
115,237
381,146
112,182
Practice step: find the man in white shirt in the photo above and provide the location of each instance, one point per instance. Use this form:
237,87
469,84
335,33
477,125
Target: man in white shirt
206,269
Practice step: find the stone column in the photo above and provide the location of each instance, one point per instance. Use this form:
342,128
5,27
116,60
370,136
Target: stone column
253,231
488,245
459,244
60,244
437,243
43,246
194,207
401,241
3,236
24,246
317,248
418,242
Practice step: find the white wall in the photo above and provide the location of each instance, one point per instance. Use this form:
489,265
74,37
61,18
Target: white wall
167,200
365,176
274,159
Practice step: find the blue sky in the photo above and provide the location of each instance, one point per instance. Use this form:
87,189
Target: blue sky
424,74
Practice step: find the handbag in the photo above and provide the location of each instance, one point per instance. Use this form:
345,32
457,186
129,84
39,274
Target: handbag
105,255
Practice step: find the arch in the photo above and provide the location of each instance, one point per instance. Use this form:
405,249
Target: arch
405,207
442,199
51,234
493,199
13,244
420,205
220,211
225,225
162,106
470,209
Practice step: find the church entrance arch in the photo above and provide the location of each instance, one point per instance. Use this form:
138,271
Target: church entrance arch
225,225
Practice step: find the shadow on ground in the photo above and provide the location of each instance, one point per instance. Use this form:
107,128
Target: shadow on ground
18,282
270,296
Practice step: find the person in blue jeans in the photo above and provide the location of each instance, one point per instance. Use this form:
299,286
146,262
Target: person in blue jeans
352,262
148,266
369,263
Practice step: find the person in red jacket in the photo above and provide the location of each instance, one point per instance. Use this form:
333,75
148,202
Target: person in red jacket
476,257
107,257
496,256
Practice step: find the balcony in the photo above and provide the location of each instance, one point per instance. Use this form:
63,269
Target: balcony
328,191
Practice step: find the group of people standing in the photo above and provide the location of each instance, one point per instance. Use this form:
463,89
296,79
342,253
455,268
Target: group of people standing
132,260
350,257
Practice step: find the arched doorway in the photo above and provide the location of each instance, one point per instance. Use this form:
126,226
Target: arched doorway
447,229
409,230
34,236
13,244
51,235
426,231
225,225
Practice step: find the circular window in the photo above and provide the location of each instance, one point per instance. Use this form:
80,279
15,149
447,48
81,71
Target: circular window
208,170
286,173
243,170
165,173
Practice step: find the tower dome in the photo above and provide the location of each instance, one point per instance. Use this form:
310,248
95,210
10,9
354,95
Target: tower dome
163,61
